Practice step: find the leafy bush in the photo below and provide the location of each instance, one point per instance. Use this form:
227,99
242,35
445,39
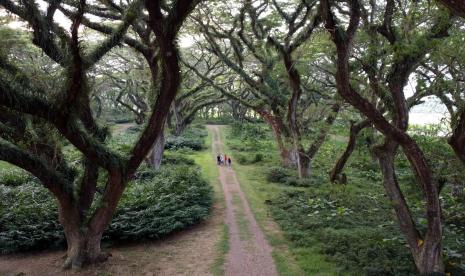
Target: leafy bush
244,159
277,174
28,218
368,249
197,131
365,241
176,142
192,138
177,198
14,177
258,157
249,131
176,158
296,182
216,120
152,206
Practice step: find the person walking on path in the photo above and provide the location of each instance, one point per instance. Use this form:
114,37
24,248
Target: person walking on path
218,159
229,161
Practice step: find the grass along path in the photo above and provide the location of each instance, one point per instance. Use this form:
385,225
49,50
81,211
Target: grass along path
249,251
289,259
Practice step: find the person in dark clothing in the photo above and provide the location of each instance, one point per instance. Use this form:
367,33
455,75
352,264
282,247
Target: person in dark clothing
218,159
229,161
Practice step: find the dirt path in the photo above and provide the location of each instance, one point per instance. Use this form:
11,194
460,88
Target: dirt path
120,128
249,252
188,252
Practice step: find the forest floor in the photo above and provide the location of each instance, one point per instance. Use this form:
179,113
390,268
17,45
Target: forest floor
188,252
193,251
230,242
119,128
249,251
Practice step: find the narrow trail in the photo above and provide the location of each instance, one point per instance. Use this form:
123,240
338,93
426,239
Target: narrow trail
249,252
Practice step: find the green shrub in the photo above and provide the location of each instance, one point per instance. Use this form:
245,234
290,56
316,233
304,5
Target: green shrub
152,206
241,159
14,177
296,182
258,157
365,241
175,199
28,218
176,158
244,159
177,142
249,130
196,132
368,249
277,174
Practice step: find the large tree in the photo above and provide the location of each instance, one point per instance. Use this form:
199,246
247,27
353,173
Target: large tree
264,46
426,247
30,111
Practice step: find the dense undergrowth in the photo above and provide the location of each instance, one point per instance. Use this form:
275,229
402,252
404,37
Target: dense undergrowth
192,138
154,204
354,225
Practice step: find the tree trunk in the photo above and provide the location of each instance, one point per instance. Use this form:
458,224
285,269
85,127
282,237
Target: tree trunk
140,118
304,165
335,175
288,156
179,128
426,251
83,249
284,142
457,139
82,240
429,260
156,155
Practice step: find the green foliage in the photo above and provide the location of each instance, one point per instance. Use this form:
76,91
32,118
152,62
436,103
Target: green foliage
177,142
195,131
14,177
277,174
248,130
176,158
28,218
155,204
352,230
251,141
302,182
246,159
192,138
123,142
224,120
174,199
134,129
354,226
117,117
